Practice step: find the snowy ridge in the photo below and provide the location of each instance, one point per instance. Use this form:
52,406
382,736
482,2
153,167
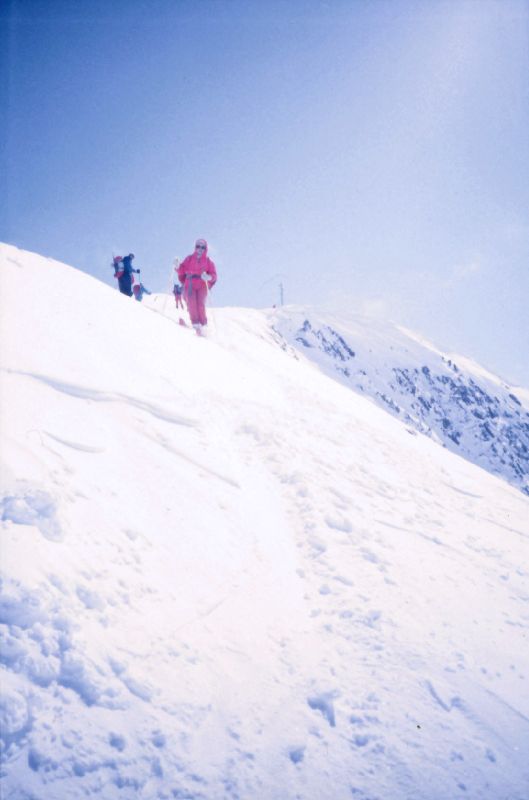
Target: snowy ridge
448,397
226,576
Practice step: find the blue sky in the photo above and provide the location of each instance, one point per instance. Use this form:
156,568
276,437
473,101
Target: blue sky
369,155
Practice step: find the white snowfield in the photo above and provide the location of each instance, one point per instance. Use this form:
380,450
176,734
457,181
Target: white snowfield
227,576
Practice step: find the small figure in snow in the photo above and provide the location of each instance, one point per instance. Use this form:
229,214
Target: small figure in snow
178,291
198,275
123,272
177,286
139,290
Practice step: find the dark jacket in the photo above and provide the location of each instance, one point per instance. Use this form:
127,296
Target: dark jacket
124,276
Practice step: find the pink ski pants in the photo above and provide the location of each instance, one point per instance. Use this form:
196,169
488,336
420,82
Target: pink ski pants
196,304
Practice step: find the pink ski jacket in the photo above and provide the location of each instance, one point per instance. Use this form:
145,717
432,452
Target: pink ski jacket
192,267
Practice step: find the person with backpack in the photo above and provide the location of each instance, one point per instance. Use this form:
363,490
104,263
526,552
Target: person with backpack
123,272
198,275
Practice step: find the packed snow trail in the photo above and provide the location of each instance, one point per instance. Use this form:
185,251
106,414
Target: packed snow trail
227,576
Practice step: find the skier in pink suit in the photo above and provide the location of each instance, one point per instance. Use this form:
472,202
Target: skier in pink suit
198,275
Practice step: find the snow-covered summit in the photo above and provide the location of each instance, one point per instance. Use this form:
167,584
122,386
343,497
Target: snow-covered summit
448,397
225,575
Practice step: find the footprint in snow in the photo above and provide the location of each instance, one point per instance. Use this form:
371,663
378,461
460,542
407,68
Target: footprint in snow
338,524
324,703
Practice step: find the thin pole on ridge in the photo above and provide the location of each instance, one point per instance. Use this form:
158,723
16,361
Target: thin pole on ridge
280,286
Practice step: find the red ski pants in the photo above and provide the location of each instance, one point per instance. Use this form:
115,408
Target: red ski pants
196,304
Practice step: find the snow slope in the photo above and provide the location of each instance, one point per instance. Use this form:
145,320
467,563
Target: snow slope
448,397
225,575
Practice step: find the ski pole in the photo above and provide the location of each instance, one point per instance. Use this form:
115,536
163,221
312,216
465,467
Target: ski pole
207,297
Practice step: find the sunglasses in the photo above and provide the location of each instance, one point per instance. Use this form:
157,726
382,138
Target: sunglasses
200,247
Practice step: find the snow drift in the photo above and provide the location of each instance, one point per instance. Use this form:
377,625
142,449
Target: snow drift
225,575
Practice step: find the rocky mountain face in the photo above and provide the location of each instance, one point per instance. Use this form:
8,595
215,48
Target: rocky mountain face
448,398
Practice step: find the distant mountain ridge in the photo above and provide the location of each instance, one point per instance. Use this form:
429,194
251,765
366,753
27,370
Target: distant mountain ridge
468,411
